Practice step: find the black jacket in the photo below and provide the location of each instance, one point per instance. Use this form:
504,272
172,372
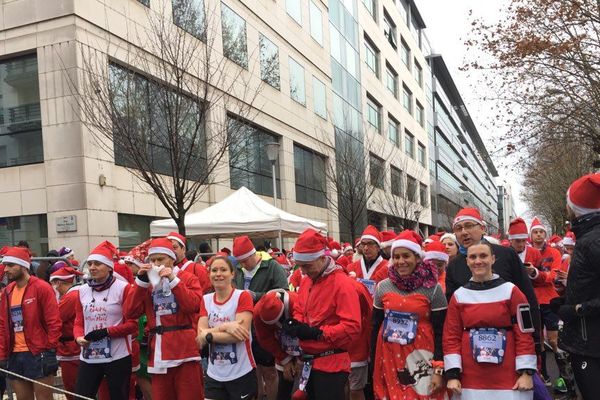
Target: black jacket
580,334
508,266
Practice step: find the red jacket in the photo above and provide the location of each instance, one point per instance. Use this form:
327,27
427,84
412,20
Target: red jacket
174,347
68,349
359,353
331,303
295,279
378,271
199,271
41,320
543,282
267,335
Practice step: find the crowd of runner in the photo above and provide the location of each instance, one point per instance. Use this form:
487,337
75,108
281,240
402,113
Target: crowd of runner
391,316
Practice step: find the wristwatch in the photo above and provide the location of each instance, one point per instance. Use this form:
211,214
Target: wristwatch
209,337
527,371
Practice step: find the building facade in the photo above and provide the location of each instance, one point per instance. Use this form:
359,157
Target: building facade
506,207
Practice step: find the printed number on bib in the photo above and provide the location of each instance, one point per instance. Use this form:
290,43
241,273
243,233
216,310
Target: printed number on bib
488,345
369,284
97,350
223,354
164,305
16,315
400,327
289,344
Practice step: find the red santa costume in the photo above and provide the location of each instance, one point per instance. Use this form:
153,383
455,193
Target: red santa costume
369,275
483,340
67,352
198,270
410,312
174,357
436,251
543,282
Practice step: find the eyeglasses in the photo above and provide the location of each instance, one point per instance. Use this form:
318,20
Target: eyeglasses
466,227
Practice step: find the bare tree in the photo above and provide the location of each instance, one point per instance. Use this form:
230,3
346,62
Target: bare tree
157,102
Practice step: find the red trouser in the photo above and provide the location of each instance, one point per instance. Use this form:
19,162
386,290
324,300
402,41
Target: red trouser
184,382
69,375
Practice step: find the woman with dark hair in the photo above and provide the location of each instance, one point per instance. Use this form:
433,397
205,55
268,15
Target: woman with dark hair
408,319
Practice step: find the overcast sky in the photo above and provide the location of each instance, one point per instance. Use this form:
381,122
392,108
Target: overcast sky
448,25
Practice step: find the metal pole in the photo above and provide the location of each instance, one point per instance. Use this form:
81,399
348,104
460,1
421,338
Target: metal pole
275,198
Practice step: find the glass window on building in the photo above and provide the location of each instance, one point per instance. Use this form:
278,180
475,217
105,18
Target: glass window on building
133,230
420,115
190,15
409,144
418,71
235,46
423,197
371,6
316,23
389,29
30,228
393,131
407,99
403,8
422,155
269,62
320,98
396,181
310,177
411,188
294,10
372,56
20,116
297,84
376,171
391,80
248,162
405,54
374,114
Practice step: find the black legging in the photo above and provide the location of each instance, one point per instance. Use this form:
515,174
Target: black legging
586,370
117,373
284,388
326,385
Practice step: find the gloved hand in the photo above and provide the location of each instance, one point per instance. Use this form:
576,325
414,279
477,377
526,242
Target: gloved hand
290,327
567,312
96,335
556,303
306,332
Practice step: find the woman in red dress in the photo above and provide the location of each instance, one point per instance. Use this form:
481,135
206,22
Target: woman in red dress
408,319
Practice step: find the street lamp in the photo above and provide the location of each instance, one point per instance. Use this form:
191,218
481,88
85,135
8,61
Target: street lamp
417,215
273,155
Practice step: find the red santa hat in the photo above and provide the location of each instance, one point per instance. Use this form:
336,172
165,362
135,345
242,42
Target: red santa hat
123,273
436,250
537,224
569,239
347,247
583,196
371,233
309,246
505,243
17,255
451,236
272,307
409,239
177,237
162,246
105,252
243,248
517,229
387,238
555,241
468,214
282,260
65,274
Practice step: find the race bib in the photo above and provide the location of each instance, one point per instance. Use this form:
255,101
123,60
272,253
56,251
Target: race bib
164,305
16,315
488,345
369,284
400,327
289,344
97,350
223,354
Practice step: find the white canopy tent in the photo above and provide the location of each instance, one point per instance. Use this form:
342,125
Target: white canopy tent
242,212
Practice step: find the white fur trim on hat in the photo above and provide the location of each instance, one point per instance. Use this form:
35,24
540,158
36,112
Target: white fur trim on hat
132,260
412,246
175,238
577,210
15,260
436,255
386,244
245,255
467,218
370,237
307,257
449,236
518,236
100,258
62,277
567,241
162,250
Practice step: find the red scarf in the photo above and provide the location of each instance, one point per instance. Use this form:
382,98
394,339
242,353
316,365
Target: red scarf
424,275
